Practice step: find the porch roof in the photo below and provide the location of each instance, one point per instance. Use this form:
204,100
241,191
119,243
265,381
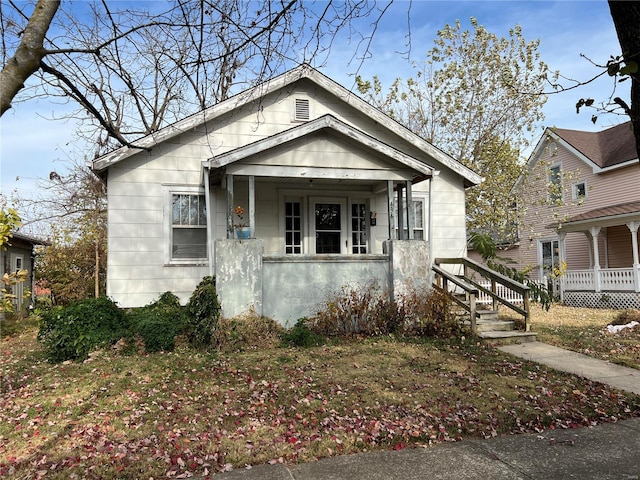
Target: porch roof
332,126
619,214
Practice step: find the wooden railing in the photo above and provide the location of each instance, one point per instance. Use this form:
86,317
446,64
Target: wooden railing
470,284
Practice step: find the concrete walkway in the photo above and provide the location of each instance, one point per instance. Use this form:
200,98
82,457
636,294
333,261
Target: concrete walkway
604,452
623,378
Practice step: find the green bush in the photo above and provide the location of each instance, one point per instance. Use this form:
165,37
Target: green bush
203,312
158,323
72,332
301,336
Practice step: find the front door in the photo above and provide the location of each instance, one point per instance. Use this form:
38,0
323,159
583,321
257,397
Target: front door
550,260
330,226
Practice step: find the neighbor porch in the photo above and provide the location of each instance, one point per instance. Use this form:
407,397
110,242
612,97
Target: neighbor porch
612,279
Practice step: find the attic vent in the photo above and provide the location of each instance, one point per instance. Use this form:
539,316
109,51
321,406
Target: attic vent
302,110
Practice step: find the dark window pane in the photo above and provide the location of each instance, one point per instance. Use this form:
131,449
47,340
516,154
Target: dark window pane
327,242
189,243
327,216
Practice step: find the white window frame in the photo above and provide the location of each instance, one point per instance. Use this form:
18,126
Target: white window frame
550,179
574,190
415,199
168,192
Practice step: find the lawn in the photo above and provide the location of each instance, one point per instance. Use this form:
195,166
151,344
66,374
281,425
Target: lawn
188,412
584,330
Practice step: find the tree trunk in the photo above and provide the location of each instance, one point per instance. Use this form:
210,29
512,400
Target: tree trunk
26,60
626,18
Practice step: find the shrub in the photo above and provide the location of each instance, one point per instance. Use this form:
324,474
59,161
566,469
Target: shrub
72,332
203,313
158,323
301,336
249,331
367,311
364,311
430,313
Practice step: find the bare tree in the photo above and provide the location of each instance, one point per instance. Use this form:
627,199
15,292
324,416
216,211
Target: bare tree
134,69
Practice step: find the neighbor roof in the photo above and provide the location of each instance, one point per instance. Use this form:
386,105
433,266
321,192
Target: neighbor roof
606,148
303,71
603,216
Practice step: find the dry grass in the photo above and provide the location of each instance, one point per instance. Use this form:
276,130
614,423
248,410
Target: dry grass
188,412
584,330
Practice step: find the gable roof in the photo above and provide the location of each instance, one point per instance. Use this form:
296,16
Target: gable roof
603,151
301,72
607,148
325,122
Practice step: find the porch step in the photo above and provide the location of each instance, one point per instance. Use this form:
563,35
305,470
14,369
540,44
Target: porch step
492,325
503,338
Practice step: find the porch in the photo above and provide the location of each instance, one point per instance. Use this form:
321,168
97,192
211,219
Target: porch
612,279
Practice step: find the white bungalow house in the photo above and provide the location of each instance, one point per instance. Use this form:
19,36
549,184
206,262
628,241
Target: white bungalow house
318,175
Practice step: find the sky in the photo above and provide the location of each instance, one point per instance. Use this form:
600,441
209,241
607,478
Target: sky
32,144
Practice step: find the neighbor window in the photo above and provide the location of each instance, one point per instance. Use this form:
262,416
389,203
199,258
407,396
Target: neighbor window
579,191
555,184
188,227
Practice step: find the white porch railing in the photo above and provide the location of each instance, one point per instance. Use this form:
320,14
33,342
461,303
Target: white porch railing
502,290
611,279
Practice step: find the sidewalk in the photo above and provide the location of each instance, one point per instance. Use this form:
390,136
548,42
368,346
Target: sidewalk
623,378
609,451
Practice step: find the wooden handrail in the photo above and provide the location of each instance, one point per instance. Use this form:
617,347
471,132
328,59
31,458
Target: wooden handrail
471,292
494,277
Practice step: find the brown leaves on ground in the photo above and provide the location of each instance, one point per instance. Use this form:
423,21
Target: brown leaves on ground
183,413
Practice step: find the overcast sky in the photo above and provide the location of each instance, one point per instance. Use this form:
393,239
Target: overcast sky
32,146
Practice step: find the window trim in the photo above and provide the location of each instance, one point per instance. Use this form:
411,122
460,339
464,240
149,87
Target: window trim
551,196
574,190
414,198
168,192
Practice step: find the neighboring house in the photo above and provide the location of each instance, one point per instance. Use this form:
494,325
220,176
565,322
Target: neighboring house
20,255
581,203
319,174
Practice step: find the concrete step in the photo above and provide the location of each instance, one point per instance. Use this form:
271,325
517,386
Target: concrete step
483,325
504,338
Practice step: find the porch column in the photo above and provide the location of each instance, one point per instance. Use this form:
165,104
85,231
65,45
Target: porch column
392,230
210,217
562,246
595,231
252,205
410,212
400,211
633,227
229,206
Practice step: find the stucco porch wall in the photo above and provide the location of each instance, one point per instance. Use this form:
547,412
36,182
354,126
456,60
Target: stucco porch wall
296,286
288,287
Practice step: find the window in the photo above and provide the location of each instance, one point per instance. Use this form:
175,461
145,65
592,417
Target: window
358,228
549,253
555,185
418,219
293,227
188,227
579,191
